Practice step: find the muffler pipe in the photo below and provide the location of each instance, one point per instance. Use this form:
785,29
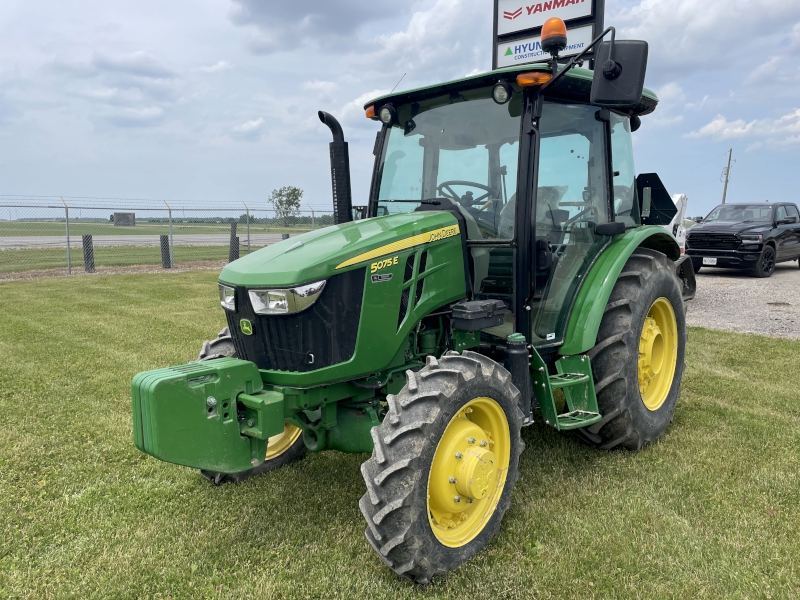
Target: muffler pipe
340,171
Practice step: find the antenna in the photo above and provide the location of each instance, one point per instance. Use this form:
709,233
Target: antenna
398,83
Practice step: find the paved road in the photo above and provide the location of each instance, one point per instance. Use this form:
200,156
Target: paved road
44,241
734,301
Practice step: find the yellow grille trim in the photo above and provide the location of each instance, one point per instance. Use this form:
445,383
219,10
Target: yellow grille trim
404,244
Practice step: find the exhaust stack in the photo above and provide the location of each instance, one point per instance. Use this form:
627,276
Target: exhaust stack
340,171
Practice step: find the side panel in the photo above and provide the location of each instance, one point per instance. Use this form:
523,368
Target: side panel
587,312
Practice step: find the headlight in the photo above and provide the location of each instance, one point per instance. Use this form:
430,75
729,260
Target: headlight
227,297
751,238
285,302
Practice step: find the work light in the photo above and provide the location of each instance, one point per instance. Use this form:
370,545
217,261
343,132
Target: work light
388,114
285,301
501,92
227,297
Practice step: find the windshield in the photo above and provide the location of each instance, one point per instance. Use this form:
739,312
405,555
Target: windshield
464,151
738,213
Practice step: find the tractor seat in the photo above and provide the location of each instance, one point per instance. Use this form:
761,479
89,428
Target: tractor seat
480,256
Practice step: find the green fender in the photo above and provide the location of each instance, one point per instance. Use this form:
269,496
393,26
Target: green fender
587,312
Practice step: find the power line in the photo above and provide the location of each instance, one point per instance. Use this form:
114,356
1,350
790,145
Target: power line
702,164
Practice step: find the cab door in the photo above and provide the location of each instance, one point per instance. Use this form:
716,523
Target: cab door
572,198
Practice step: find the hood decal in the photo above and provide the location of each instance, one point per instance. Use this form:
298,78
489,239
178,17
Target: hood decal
404,244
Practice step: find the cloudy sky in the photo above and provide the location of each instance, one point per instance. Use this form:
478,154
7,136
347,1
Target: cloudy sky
215,101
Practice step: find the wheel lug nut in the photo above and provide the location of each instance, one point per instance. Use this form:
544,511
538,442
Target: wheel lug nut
452,480
470,501
483,443
471,440
459,455
457,499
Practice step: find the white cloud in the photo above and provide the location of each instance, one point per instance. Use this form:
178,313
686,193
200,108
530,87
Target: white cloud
250,130
671,103
690,36
782,131
221,65
322,88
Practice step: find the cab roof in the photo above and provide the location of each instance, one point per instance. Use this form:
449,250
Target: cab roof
575,85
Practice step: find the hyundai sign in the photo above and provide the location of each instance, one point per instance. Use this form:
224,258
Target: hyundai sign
529,50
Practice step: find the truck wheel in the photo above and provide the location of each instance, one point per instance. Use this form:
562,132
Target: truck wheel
281,449
444,462
638,361
766,264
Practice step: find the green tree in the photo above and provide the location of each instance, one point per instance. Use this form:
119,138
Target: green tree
286,202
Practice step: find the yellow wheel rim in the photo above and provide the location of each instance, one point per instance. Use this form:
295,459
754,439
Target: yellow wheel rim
278,444
468,472
658,354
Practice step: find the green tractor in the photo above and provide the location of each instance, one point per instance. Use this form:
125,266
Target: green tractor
511,266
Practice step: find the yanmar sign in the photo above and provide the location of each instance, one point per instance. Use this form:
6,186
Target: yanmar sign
529,50
518,16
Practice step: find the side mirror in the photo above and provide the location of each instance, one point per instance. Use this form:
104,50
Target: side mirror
786,221
619,79
698,219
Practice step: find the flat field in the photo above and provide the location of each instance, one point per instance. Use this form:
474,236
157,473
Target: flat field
710,511
78,228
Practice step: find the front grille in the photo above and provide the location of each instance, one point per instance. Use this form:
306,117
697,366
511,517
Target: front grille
713,241
318,337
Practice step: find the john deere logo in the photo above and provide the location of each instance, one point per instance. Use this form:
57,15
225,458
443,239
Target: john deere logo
246,327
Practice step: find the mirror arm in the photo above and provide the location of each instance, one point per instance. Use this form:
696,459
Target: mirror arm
575,59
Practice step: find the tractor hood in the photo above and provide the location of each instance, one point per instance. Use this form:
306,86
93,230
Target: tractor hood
319,254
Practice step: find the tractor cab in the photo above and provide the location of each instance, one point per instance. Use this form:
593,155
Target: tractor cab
540,181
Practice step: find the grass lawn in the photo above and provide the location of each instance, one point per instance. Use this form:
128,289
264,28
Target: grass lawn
29,259
710,511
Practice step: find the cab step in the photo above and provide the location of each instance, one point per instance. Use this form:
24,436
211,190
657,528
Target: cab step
563,380
575,379
577,419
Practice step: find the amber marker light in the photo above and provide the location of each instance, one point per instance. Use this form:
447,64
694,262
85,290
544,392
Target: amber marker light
371,112
554,36
533,78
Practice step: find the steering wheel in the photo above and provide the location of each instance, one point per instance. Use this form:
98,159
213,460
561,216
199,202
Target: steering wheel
590,209
445,186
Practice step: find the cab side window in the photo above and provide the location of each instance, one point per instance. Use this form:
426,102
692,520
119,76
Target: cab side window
792,212
780,213
625,205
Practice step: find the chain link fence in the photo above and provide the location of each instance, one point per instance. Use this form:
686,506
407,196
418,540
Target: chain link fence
69,238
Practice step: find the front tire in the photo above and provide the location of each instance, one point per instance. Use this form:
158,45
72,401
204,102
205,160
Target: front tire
766,263
638,360
282,449
443,466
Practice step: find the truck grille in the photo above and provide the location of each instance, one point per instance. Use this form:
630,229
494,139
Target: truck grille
318,337
713,241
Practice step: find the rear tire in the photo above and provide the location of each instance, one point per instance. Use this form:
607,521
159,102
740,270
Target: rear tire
282,449
646,297
453,429
766,263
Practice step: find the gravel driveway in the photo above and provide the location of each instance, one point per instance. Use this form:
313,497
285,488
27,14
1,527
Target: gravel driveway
734,301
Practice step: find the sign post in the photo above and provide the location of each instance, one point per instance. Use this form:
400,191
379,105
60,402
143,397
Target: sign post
518,26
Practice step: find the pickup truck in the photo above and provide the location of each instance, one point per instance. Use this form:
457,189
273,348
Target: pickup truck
750,237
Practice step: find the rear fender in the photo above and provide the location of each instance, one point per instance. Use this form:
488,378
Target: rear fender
587,312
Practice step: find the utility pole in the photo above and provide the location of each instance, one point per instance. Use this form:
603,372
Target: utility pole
726,172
